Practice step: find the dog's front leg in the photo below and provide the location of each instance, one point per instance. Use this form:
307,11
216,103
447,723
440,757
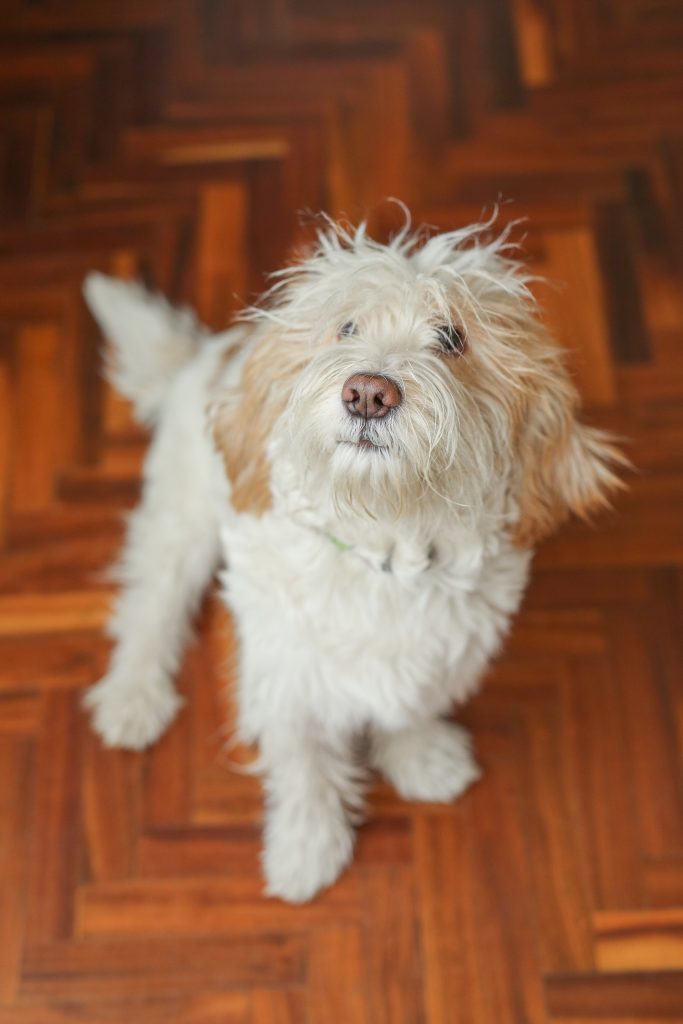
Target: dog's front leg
170,555
312,789
431,760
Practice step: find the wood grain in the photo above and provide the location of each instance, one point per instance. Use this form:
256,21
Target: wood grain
178,144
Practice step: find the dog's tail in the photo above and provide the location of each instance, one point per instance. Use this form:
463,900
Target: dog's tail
150,340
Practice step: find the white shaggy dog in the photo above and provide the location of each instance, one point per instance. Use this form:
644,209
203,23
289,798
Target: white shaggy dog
372,453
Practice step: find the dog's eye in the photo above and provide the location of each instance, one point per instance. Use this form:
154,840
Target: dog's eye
347,329
452,339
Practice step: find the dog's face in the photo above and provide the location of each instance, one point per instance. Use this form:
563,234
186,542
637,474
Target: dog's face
413,372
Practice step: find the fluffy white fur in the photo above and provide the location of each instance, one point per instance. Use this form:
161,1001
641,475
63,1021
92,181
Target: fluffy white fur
371,583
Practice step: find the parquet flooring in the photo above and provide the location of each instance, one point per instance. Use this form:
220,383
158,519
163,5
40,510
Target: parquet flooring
176,141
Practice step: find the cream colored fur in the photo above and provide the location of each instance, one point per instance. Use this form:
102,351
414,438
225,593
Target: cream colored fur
371,582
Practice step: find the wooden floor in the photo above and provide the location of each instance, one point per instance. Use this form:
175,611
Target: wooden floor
175,141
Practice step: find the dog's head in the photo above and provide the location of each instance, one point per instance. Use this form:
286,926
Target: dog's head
418,371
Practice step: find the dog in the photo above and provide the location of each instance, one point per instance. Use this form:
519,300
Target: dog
372,453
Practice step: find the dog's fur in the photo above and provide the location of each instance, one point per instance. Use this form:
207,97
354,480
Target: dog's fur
371,583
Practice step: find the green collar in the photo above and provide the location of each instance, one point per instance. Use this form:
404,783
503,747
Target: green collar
340,545
343,547
386,565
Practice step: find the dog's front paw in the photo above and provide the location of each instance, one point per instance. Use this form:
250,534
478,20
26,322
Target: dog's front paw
305,851
131,715
431,763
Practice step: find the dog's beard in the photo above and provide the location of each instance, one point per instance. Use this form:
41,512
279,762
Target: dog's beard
434,448
372,477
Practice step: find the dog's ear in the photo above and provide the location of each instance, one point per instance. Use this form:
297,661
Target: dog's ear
242,421
563,466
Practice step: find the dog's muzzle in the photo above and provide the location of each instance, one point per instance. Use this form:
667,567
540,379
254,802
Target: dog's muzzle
370,396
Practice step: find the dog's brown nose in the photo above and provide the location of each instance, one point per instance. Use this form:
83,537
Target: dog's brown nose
370,396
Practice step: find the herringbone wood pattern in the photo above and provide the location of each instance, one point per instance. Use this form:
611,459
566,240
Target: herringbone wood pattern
175,141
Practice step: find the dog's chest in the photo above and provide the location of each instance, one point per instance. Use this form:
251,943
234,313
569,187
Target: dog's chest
381,633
